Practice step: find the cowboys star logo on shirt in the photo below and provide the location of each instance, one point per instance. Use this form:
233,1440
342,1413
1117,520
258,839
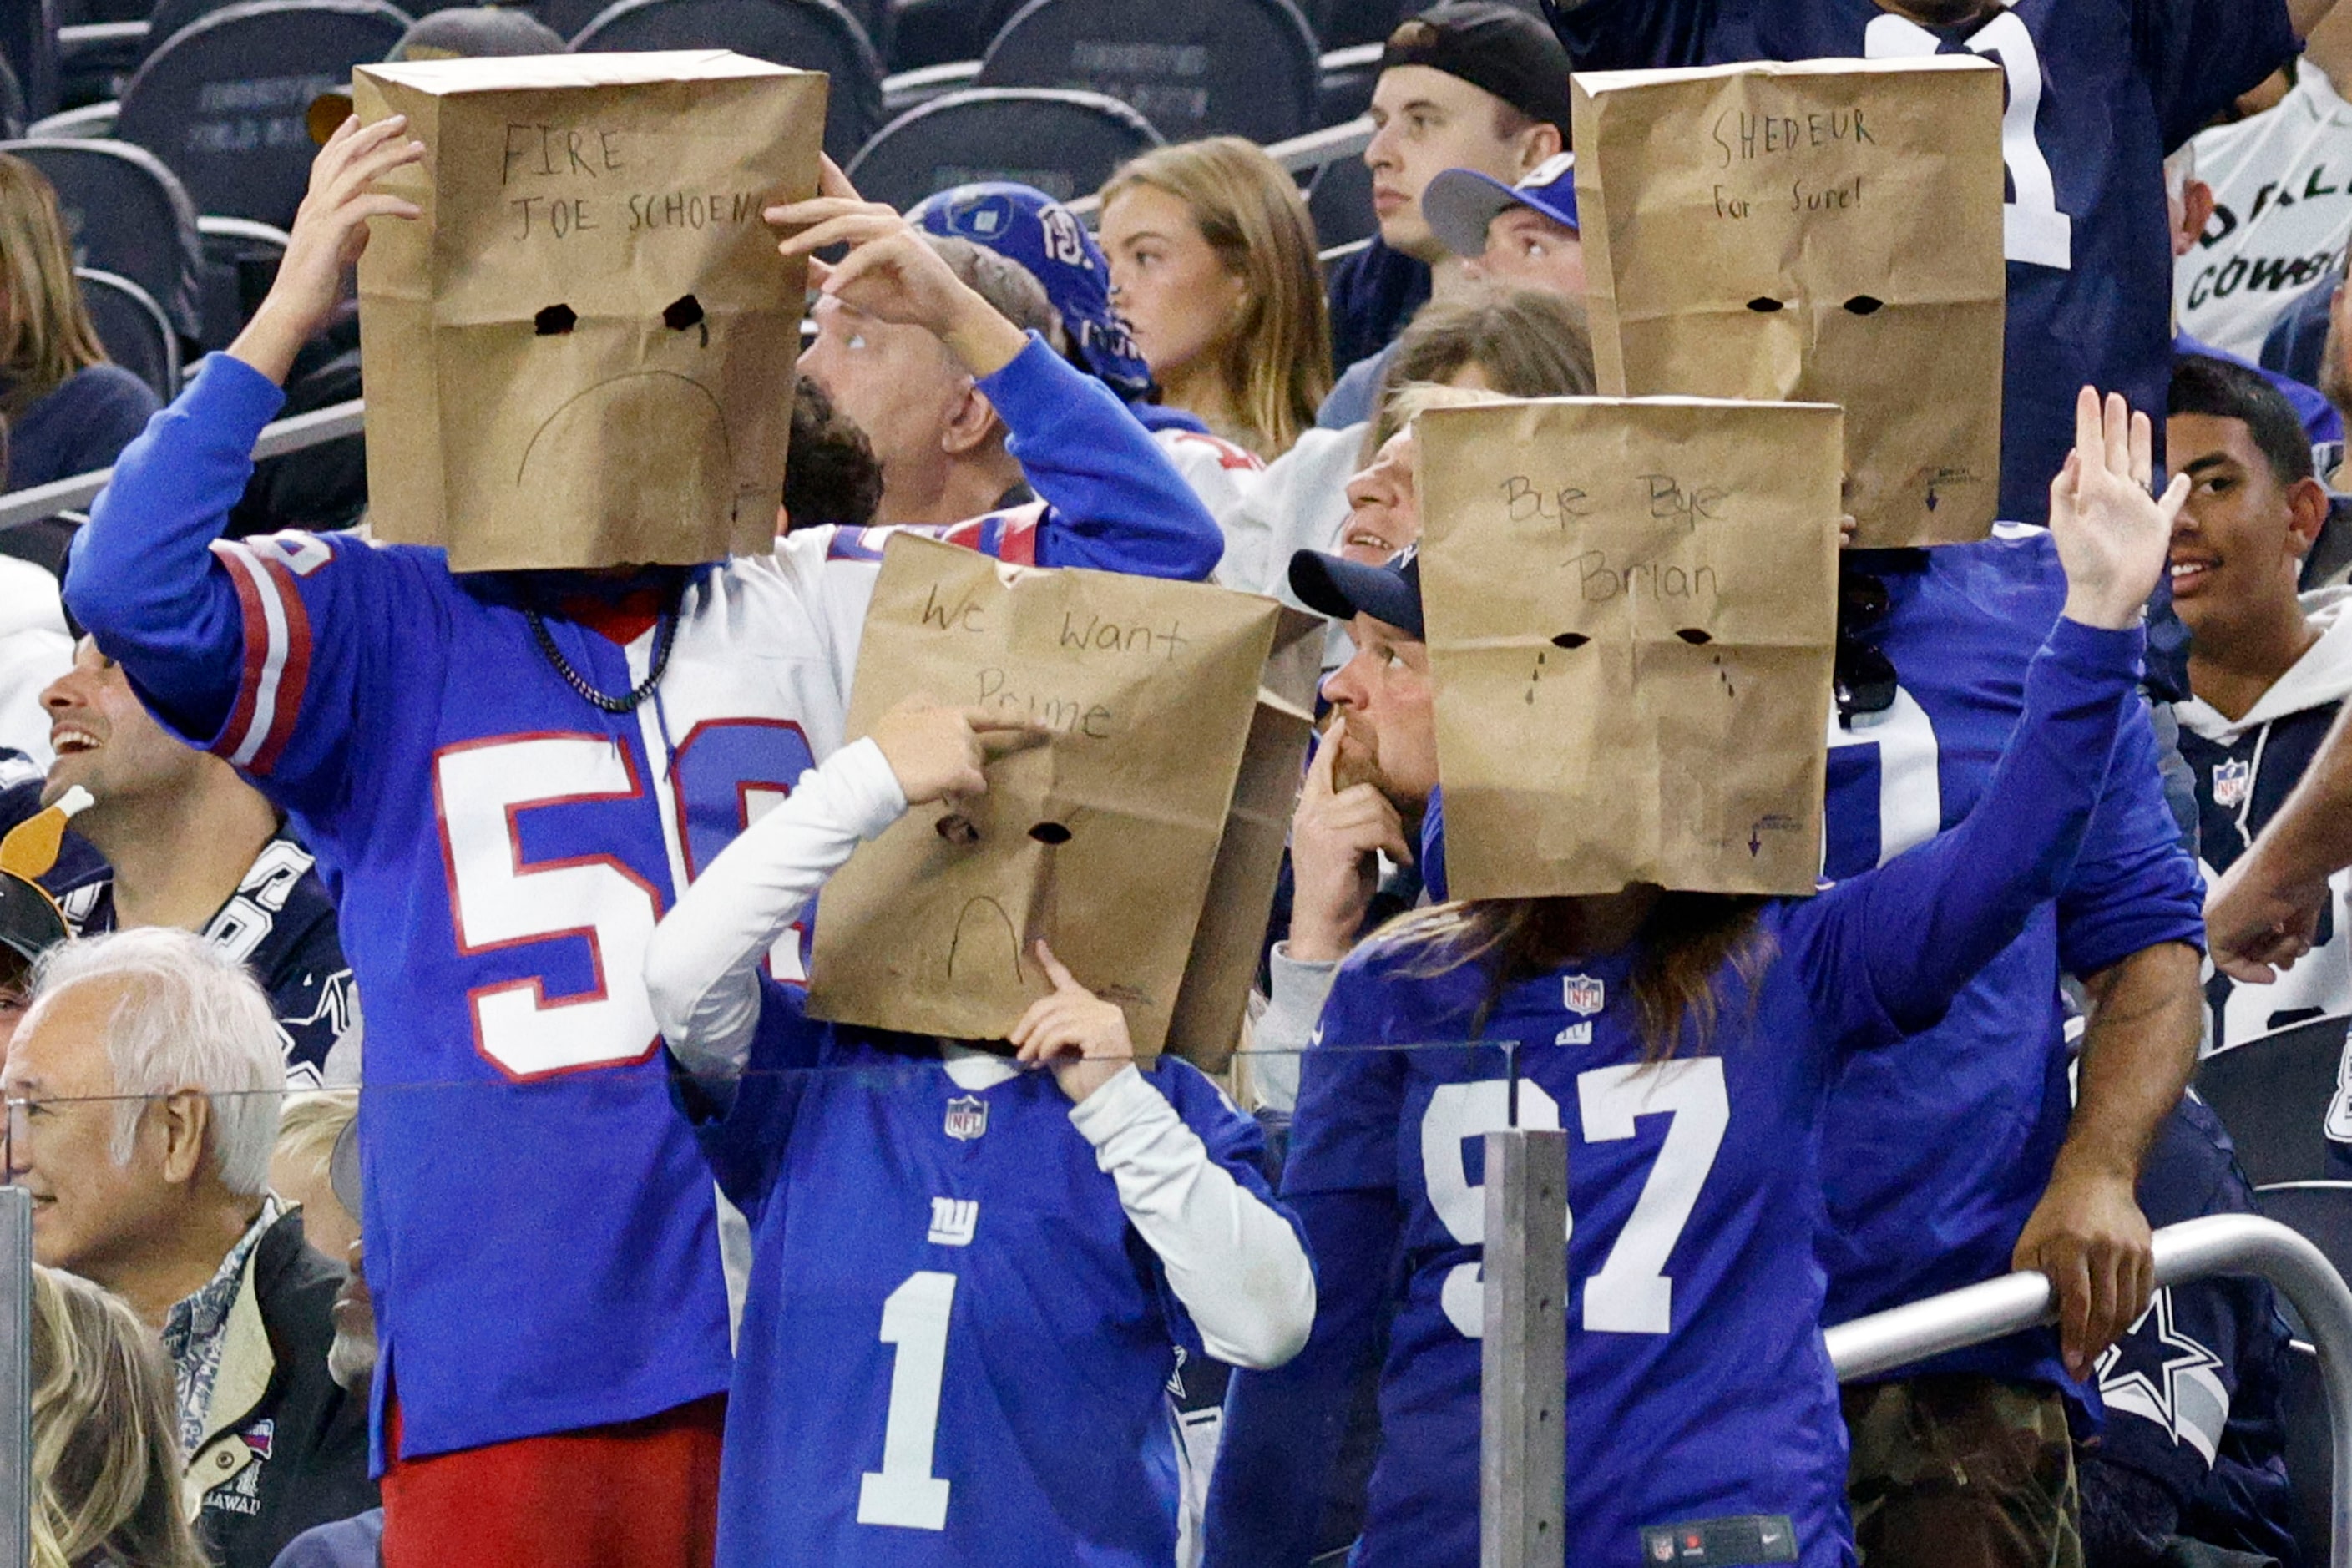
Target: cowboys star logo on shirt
2231,781
967,1118
2159,1373
1582,994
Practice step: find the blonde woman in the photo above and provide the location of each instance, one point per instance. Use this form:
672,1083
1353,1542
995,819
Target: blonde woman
1212,266
300,1169
105,1463
68,410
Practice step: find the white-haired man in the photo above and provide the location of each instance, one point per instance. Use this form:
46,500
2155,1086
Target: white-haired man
143,1090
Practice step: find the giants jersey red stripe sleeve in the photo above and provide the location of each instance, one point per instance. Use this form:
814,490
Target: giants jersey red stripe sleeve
276,665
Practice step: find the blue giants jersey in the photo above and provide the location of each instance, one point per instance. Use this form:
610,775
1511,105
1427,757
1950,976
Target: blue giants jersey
1698,1387
540,1225
2099,91
1923,1196
955,1347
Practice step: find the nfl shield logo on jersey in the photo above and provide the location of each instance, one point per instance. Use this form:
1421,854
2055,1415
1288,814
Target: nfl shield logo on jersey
2231,781
1582,994
967,1118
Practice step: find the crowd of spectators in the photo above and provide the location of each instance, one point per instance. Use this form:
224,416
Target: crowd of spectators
616,1203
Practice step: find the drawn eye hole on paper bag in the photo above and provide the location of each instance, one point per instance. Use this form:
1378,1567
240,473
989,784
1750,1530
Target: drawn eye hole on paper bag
1142,840
1827,231
1632,609
582,355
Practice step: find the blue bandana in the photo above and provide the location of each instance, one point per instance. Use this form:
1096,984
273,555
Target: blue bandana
1027,226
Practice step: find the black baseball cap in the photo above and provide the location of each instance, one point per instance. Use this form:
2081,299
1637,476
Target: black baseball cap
30,923
1499,47
1343,589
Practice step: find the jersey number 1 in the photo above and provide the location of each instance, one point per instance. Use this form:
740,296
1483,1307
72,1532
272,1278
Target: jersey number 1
904,1492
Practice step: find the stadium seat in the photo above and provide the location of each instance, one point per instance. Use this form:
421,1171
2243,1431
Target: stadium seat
2319,1212
223,103
12,102
86,12
1341,203
2310,1452
813,34
1065,144
1205,68
29,43
94,61
241,260
132,328
1344,82
93,121
2273,1094
127,214
1344,23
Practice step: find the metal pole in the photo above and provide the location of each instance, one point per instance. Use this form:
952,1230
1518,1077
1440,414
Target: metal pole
293,434
2218,1244
15,1378
1523,1453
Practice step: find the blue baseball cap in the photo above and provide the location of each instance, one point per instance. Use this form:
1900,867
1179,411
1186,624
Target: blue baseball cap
1460,203
1343,589
1026,224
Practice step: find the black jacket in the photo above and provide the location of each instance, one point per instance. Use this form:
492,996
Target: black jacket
284,1447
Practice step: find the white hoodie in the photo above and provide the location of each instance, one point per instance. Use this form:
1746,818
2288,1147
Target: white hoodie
2322,980
34,650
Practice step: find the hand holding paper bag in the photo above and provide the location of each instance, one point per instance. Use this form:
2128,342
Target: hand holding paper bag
580,353
1142,838
329,233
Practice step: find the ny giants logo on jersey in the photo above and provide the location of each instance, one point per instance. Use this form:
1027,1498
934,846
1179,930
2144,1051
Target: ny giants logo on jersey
2233,781
1581,995
967,1118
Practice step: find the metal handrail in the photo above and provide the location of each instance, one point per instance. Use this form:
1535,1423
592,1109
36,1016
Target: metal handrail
285,436
2218,1244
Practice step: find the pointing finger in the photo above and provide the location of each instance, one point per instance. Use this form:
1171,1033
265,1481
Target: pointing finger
1327,758
1061,978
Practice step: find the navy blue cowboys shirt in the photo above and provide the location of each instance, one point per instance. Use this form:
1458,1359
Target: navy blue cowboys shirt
280,923
2099,91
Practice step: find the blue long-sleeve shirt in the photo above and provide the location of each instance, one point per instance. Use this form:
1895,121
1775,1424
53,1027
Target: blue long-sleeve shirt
1698,1385
540,1224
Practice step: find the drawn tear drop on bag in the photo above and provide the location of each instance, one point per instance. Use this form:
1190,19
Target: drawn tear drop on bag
1632,608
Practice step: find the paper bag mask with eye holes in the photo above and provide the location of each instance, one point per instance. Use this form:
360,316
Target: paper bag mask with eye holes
1632,610
1142,841
1830,231
582,355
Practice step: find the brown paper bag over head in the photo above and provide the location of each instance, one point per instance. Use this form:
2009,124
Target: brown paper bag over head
1828,231
582,355
1142,840
1632,610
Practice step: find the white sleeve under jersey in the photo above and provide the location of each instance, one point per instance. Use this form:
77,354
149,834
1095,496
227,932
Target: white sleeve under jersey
702,967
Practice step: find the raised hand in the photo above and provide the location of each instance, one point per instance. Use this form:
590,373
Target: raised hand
1336,836
2112,535
1077,1034
938,753
328,233
891,272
